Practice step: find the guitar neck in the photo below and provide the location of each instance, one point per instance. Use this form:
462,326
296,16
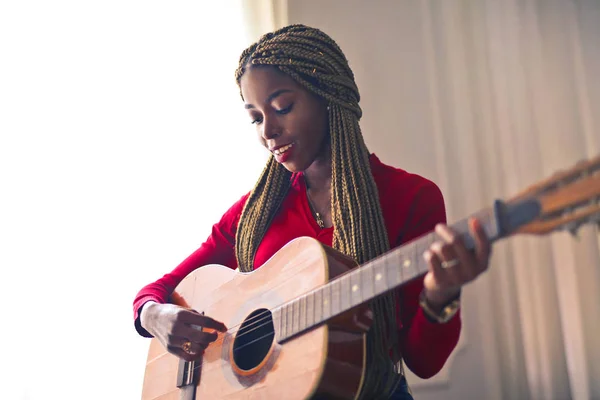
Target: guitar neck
388,271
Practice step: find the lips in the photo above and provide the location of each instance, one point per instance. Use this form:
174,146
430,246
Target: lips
283,153
282,149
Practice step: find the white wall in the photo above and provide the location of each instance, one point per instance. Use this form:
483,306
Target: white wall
122,139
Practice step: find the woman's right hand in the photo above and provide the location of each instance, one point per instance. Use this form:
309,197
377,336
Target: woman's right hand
174,326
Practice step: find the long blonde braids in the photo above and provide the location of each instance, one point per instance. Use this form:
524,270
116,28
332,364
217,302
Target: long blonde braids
317,63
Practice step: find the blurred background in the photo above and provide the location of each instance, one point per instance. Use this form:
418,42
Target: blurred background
123,139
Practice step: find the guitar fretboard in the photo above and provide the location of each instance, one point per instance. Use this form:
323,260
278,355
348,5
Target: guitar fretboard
372,279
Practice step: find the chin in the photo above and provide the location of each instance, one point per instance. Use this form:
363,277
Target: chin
294,167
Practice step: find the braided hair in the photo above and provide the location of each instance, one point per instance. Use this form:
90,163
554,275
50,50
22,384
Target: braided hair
316,62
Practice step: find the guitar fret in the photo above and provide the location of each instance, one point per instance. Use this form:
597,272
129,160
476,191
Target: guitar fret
345,292
285,315
393,266
276,322
302,305
417,256
295,316
421,247
366,281
380,284
413,261
326,303
401,264
335,297
356,288
310,309
318,305
362,284
280,315
290,318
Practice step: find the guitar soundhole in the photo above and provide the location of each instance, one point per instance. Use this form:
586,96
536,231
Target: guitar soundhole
253,340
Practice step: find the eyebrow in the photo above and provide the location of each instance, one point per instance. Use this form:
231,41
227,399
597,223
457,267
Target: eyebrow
271,97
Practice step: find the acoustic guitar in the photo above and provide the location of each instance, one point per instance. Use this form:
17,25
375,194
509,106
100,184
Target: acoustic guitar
297,325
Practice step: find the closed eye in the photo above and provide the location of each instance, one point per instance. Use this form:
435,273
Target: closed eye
286,110
283,111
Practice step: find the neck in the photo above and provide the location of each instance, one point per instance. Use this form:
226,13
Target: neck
318,175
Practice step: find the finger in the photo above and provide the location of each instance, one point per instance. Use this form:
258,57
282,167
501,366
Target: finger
454,240
444,252
483,247
460,273
469,267
178,345
179,341
194,318
204,338
179,352
440,275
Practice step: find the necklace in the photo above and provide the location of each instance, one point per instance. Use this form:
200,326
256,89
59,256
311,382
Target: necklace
314,211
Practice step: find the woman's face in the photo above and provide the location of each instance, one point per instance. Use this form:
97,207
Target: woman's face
290,121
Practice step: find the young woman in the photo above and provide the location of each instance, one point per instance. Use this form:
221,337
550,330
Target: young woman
322,182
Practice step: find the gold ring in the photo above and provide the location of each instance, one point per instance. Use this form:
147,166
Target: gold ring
187,347
450,264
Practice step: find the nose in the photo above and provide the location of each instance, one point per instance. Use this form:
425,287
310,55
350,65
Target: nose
270,128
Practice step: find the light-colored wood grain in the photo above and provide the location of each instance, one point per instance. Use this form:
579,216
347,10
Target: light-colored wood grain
294,369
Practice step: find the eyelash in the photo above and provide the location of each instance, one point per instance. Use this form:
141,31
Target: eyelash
283,111
286,110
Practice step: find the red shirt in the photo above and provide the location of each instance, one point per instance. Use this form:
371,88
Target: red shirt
411,206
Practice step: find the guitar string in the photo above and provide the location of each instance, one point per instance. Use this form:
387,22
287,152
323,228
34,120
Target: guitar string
484,215
196,366
203,363
246,331
265,315
407,247
272,290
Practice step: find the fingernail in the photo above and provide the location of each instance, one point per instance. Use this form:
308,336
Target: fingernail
437,246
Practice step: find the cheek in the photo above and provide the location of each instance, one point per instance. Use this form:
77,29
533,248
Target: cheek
260,139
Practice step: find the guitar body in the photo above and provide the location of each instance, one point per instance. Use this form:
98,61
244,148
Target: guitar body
327,361
297,325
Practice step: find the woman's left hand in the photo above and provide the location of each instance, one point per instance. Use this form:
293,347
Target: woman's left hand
451,265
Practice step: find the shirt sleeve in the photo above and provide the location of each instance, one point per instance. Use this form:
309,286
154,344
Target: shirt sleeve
425,345
219,248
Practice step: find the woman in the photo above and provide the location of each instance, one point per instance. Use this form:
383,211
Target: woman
322,182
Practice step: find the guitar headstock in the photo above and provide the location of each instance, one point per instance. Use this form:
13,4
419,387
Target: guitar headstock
566,201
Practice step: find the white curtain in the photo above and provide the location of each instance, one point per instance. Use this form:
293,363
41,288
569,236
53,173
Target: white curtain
262,16
485,98
513,98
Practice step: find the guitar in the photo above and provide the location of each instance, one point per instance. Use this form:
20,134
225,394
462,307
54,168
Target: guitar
296,325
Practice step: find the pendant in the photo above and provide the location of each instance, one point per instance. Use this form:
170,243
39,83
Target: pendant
320,220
